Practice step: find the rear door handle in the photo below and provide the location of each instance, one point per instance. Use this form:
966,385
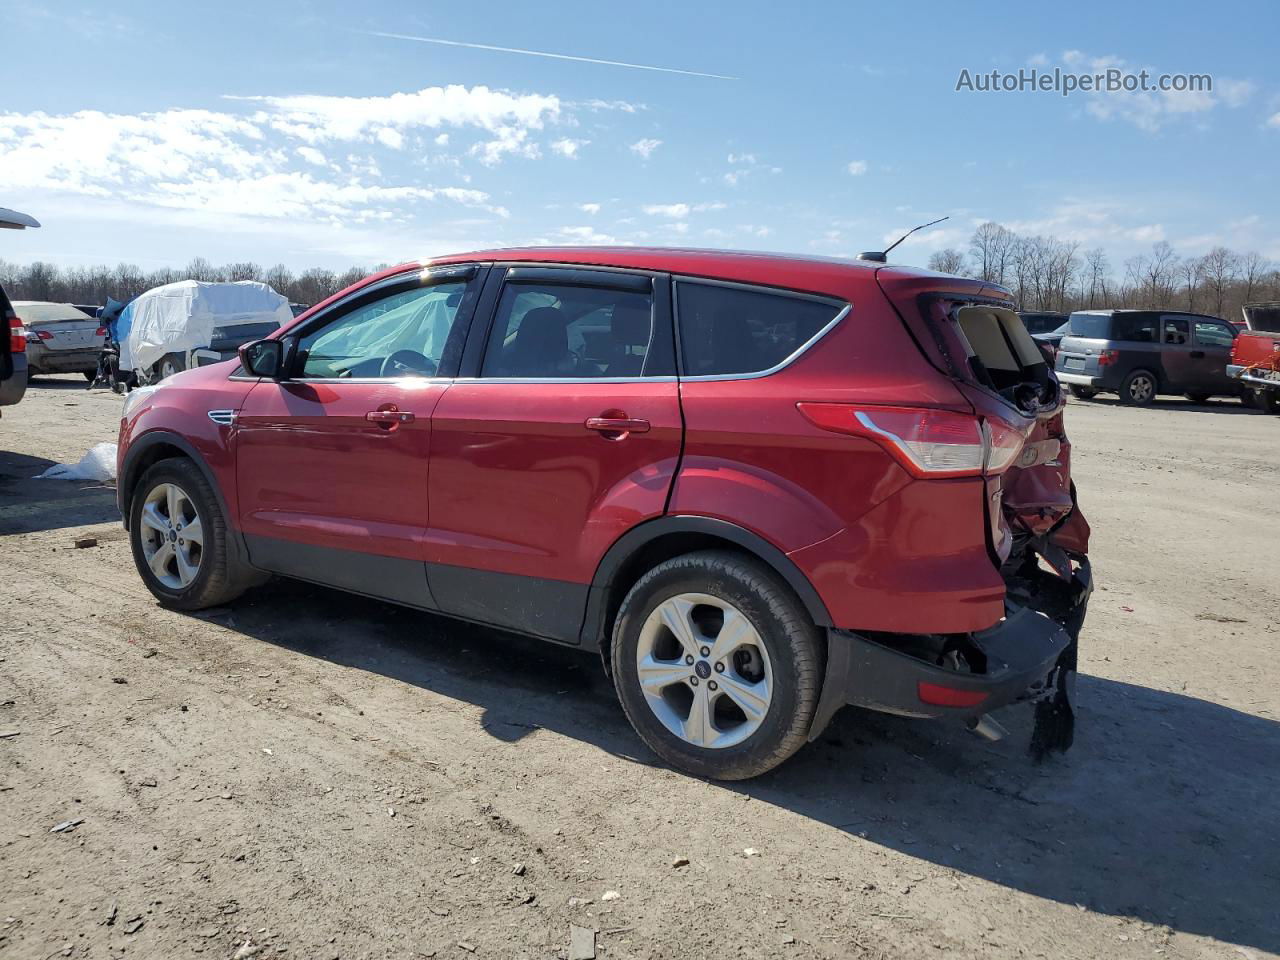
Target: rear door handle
619,426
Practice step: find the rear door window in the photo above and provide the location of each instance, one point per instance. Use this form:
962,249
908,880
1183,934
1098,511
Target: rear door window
727,330
569,331
1177,331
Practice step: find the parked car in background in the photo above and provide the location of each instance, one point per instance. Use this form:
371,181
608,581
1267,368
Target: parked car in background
1142,354
60,338
751,530
191,323
1255,356
1040,322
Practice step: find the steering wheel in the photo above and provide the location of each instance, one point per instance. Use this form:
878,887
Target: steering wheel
407,363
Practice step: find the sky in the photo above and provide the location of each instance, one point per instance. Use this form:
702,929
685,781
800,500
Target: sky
316,133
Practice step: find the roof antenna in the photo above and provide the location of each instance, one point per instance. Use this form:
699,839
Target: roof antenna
882,256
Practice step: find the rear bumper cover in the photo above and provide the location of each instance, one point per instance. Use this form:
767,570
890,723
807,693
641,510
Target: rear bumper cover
1078,379
1254,378
1022,652
63,361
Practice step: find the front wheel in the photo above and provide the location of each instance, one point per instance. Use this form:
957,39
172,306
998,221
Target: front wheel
1083,393
718,665
179,539
1139,388
170,364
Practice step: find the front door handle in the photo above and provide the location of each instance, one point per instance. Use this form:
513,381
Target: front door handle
389,416
1197,354
617,428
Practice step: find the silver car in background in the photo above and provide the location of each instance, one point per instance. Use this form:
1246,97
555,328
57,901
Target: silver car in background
60,338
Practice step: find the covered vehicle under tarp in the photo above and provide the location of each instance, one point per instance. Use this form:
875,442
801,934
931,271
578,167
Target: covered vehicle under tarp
183,316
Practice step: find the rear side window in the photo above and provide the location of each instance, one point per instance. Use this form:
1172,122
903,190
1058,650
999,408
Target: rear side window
557,331
1132,327
731,330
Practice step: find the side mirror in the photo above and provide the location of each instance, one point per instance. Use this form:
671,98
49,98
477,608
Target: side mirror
263,358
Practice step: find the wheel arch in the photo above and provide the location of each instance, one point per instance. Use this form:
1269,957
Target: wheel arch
653,542
148,450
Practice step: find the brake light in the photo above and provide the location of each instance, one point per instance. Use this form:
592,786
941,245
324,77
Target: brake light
100,332
928,443
940,696
1107,357
17,335
35,335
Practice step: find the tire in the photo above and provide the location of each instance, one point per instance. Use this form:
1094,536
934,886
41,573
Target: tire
1198,397
782,649
169,364
89,374
219,576
1139,388
1083,393
1267,400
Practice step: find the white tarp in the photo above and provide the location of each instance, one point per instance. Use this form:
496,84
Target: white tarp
98,464
181,316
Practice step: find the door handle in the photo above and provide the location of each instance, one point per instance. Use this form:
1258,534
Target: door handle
389,416
1197,354
617,428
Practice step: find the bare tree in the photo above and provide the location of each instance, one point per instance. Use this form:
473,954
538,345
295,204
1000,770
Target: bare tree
949,260
1253,273
242,271
993,249
1191,274
1096,270
1220,267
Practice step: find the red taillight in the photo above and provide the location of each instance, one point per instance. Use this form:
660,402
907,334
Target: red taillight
940,696
1107,357
927,442
100,332
17,335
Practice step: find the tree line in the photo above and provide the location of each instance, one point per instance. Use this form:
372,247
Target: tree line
93,285
1046,273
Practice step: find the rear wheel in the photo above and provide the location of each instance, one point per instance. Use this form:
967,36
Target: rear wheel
1139,388
179,539
1268,401
89,374
717,664
1083,393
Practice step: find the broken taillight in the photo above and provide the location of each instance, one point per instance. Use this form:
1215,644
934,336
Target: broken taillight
929,443
1107,357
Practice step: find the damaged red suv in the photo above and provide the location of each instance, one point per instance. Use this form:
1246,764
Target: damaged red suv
761,487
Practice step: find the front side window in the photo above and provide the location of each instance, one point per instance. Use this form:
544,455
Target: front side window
1212,334
730,330
547,330
401,335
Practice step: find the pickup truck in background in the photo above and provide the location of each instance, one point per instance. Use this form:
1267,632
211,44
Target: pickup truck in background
1255,355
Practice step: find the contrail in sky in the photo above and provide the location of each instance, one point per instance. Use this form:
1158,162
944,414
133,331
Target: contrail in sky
543,53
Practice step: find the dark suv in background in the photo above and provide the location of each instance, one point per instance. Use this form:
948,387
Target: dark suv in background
1140,354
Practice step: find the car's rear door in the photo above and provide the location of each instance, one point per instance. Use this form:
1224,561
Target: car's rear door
1177,355
563,432
332,463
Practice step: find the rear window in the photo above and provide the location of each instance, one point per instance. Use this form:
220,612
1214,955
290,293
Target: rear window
731,330
1041,322
48,312
1132,327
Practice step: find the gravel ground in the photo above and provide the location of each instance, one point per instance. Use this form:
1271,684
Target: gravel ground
320,775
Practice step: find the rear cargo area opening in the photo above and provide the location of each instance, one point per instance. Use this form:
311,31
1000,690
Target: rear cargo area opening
1001,354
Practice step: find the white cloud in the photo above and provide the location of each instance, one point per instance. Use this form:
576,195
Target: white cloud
744,165
645,147
591,208
442,140
675,211
568,147
857,168
312,156
586,235
1274,120
390,137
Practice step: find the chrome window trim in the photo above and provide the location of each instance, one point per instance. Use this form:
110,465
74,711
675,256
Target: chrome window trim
578,380
843,312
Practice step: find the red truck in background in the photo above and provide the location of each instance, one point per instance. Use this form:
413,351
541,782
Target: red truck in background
1255,355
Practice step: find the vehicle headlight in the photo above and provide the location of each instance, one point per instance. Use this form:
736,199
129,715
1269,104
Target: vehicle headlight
135,397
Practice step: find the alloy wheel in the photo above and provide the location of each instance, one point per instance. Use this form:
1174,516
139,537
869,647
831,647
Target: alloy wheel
1141,388
172,536
704,670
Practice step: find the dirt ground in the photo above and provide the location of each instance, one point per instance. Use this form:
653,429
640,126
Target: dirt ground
323,776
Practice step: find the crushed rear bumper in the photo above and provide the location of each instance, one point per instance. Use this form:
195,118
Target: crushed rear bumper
1028,656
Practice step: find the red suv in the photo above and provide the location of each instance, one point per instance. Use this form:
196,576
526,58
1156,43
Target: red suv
761,486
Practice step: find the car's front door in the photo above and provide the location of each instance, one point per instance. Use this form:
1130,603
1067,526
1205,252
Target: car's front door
1212,353
332,462
565,434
